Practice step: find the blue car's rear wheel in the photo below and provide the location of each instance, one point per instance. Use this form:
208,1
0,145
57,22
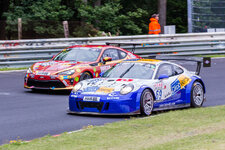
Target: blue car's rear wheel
147,101
197,95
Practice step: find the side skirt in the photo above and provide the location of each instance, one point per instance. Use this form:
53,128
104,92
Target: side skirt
172,107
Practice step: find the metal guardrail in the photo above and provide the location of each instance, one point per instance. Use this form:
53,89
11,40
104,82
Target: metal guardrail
22,53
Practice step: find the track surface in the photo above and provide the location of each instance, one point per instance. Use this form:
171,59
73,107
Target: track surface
27,115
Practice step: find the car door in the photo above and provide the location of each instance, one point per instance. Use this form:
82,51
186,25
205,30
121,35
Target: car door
168,92
162,88
114,54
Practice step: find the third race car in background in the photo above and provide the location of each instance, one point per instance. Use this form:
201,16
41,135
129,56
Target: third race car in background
74,64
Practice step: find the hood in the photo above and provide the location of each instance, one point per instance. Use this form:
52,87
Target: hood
54,66
153,20
109,85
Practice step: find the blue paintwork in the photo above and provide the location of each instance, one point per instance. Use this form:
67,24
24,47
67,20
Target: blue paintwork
130,103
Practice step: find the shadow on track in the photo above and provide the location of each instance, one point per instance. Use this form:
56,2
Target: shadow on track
49,92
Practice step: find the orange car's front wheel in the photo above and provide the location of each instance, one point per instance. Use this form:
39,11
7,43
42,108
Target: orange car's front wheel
85,75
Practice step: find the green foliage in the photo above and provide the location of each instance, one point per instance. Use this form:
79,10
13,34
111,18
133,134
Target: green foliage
43,18
109,19
177,15
37,12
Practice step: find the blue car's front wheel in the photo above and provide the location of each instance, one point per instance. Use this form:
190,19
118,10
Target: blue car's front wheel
147,101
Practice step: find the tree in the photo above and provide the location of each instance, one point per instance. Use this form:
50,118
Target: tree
4,5
108,18
36,14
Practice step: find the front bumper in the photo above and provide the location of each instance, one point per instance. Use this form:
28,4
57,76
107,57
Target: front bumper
121,105
32,81
105,114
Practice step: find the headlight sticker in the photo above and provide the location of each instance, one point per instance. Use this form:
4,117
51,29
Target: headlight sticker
91,89
105,90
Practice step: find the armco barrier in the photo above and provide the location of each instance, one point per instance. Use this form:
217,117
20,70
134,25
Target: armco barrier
22,53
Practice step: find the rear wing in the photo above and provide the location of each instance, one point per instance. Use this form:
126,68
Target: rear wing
199,60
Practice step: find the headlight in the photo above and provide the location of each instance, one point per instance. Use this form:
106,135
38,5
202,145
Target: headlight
77,87
67,72
127,89
29,70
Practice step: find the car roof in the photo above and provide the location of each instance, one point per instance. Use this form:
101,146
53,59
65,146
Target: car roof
92,46
149,61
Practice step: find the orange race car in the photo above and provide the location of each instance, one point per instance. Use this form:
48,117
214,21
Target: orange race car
74,64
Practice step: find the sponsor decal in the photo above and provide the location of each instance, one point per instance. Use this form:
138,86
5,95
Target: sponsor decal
65,83
94,81
168,94
184,80
167,105
42,73
47,63
175,87
53,77
75,96
112,94
41,77
78,70
66,77
158,85
158,94
32,75
125,80
111,98
77,79
91,89
96,75
105,90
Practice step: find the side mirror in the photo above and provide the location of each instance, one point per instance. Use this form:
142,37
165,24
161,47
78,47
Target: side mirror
163,76
105,59
101,74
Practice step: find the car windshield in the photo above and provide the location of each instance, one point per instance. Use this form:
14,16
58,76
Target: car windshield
79,54
131,70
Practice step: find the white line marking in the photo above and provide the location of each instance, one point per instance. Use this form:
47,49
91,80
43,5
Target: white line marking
4,93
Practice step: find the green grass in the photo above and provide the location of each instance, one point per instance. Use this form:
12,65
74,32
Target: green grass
212,56
202,128
8,69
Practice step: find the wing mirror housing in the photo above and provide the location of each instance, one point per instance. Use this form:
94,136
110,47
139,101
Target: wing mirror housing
163,76
105,59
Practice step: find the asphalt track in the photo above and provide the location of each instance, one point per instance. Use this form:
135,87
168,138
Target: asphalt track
27,115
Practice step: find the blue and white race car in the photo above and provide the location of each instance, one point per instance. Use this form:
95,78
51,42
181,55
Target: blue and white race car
138,87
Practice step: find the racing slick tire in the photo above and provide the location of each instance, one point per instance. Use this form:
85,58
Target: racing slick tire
147,102
85,75
197,94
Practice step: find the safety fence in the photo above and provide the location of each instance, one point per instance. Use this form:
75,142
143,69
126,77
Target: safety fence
22,53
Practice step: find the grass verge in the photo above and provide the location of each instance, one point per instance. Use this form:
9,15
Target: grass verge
8,69
202,128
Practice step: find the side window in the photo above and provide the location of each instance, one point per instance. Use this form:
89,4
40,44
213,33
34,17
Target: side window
113,53
122,54
164,69
177,70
